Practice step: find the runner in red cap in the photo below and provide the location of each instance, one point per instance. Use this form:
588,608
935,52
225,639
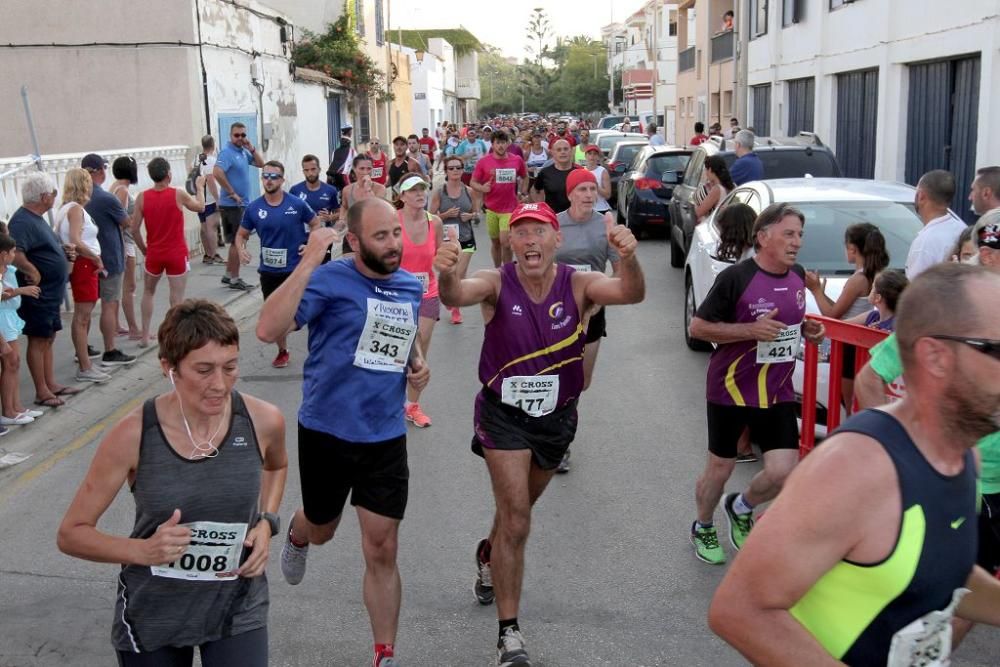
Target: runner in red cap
531,369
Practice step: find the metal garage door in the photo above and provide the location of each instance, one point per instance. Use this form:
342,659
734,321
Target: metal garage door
942,118
762,110
801,102
857,122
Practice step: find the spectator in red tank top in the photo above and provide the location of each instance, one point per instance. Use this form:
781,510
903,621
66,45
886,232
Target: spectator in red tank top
165,248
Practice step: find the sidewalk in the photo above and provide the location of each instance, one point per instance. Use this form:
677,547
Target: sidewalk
204,282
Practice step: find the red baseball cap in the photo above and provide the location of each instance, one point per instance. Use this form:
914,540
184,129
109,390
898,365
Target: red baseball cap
578,176
535,212
591,147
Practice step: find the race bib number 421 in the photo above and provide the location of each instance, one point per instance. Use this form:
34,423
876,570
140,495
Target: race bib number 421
386,338
212,555
782,349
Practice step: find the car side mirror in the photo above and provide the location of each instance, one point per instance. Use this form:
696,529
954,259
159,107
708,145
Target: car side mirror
670,178
620,169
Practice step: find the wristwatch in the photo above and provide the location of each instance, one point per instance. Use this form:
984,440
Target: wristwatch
272,519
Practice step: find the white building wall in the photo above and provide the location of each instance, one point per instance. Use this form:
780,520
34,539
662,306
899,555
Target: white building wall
883,34
311,107
428,78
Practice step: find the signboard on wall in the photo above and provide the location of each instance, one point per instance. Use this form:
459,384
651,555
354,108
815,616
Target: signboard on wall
420,96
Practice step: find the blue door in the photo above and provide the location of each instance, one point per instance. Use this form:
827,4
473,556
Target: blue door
333,124
250,120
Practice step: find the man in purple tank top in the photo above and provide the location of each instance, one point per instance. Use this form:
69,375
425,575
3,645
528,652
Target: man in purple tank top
531,368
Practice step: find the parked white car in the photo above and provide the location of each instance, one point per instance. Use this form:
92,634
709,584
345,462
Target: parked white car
830,205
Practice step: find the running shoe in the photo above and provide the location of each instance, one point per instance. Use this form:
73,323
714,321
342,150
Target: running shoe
389,661
239,284
739,524
4,431
281,361
293,560
416,416
226,280
92,375
484,578
117,358
511,651
16,420
706,545
749,457
563,466
33,413
456,315
92,352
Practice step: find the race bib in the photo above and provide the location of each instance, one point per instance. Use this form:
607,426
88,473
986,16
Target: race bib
377,172
424,279
506,175
215,548
582,268
386,338
781,350
926,642
534,395
451,232
276,258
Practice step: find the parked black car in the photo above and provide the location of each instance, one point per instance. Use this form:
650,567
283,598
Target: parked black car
645,189
622,155
793,157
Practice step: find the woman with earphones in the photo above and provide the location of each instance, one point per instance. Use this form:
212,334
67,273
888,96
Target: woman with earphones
206,466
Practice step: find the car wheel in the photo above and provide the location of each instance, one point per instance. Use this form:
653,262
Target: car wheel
676,251
695,344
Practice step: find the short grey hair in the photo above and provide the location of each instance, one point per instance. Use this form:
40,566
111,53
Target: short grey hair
36,184
745,138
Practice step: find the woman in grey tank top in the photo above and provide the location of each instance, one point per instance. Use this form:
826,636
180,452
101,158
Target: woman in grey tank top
206,467
453,203
126,173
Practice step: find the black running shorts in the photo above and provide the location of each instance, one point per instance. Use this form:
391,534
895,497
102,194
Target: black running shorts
771,428
500,426
375,475
597,327
989,533
271,281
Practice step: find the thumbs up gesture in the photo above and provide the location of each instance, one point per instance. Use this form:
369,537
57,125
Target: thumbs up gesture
620,237
448,252
168,542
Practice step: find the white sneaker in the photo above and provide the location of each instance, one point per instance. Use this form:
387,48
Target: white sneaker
293,560
16,420
33,413
92,375
511,650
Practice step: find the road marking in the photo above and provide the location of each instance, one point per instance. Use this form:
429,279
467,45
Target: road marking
79,442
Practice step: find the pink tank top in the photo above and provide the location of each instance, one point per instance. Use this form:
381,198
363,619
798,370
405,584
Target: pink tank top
419,259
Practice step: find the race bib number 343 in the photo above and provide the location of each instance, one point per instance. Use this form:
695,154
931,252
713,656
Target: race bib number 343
214,550
386,338
781,350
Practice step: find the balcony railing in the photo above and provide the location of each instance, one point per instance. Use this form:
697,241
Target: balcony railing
722,46
685,59
467,89
13,170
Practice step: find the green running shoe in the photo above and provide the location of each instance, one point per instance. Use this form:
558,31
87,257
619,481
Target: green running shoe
706,545
739,524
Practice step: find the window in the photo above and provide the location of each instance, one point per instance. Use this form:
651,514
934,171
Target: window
359,15
792,11
758,17
379,29
727,103
837,4
672,26
364,120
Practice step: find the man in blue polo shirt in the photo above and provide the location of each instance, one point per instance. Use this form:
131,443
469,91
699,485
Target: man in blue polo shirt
747,166
232,176
282,223
321,197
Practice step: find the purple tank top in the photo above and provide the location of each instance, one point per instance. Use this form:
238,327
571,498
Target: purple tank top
527,338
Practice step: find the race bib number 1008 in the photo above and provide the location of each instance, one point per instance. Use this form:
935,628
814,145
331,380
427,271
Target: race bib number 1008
386,338
212,555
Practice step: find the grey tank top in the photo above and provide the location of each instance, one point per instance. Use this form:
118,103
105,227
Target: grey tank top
464,204
129,208
187,606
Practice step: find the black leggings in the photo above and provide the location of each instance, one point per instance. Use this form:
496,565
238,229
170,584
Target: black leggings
248,649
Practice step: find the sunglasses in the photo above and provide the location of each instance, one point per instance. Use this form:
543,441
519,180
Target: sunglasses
241,135
985,345
272,177
454,168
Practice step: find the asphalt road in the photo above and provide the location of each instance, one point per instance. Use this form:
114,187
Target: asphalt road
610,577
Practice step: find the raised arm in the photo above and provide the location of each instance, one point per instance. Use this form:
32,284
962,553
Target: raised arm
628,285
195,204
455,292
854,289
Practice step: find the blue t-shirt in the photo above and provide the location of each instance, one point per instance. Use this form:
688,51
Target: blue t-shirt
747,168
42,248
108,214
235,163
282,229
342,395
478,149
326,197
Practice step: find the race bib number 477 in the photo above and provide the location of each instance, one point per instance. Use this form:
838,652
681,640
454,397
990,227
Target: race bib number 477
384,344
212,555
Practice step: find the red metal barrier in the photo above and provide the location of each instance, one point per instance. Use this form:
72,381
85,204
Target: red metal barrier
839,333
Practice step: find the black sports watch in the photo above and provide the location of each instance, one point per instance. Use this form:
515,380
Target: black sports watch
272,519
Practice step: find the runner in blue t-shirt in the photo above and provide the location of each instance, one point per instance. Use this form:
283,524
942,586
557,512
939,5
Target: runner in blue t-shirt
321,197
362,318
282,223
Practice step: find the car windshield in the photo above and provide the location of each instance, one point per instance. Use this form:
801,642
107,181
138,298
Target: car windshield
611,121
608,141
826,222
660,164
793,163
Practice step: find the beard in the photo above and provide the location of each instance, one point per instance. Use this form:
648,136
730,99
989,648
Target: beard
968,411
312,179
378,264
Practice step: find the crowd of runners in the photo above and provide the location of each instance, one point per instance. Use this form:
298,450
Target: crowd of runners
868,554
